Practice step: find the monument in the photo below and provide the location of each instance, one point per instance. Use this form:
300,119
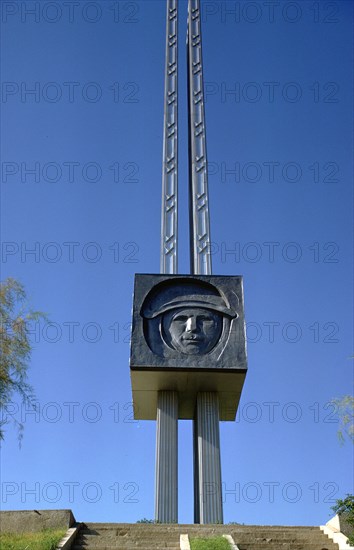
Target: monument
188,351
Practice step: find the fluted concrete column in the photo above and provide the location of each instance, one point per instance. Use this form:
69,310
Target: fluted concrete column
166,477
208,506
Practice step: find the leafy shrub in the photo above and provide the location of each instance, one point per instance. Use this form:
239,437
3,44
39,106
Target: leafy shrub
345,508
144,520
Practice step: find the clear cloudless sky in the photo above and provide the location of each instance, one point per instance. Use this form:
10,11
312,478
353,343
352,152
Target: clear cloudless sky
81,128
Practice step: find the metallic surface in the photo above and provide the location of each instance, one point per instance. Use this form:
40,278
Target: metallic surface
198,176
207,472
173,378
166,489
170,145
208,506
166,468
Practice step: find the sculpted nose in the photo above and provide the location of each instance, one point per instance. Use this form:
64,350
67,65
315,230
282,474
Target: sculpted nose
191,324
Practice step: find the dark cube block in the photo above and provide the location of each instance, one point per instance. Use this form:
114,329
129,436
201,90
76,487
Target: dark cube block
188,335
219,302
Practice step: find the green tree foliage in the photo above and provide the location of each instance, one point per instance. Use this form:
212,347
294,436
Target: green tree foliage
344,407
15,348
345,508
145,520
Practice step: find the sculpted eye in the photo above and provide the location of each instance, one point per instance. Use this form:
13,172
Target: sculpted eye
180,319
206,319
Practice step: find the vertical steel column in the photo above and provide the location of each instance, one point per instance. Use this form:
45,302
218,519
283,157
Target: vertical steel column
206,436
198,185
208,448
170,145
166,501
208,507
166,471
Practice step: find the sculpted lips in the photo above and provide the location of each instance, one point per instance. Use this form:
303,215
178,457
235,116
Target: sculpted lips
193,343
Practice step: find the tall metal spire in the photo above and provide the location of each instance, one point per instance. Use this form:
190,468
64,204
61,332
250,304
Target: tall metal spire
170,146
207,470
198,190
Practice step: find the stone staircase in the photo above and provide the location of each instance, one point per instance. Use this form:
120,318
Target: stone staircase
124,536
127,536
259,537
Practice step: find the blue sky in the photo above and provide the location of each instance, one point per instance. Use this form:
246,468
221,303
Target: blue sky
278,83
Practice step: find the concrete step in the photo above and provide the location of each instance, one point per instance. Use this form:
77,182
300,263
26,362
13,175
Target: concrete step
288,540
134,545
124,536
90,537
292,537
127,537
153,543
131,543
114,543
278,540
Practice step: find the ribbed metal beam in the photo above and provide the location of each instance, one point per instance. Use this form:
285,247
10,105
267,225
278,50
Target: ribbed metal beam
208,495
170,147
166,490
198,184
166,469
